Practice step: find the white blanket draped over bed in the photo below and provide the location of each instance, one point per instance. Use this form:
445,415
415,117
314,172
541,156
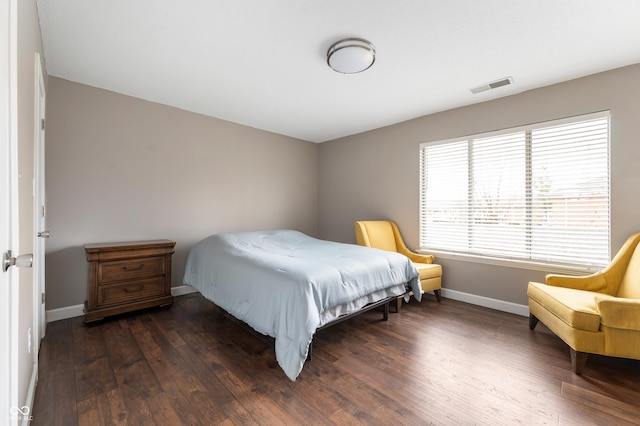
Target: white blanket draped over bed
286,284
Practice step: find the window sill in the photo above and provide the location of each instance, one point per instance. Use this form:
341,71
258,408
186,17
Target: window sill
513,263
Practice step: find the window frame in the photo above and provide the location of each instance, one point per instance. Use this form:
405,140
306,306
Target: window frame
486,258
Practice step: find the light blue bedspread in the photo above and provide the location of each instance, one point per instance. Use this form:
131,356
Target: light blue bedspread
283,283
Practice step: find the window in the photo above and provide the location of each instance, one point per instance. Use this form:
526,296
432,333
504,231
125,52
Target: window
538,193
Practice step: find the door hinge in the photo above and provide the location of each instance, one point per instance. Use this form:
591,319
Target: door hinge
42,123
43,298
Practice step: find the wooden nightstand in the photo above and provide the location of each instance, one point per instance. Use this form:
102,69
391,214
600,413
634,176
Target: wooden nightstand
127,276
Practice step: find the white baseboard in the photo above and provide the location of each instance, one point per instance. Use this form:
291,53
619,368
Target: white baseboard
78,310
64,313
181,290
499,305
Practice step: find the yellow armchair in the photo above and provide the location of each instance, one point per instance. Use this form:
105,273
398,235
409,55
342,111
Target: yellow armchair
384,234
594,314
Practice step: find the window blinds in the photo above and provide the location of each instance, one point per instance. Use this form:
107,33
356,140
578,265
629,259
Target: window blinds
537,193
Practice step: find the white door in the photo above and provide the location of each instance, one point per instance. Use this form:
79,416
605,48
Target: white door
8,210
40,321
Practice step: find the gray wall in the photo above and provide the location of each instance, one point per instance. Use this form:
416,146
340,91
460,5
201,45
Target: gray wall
120,168
375,175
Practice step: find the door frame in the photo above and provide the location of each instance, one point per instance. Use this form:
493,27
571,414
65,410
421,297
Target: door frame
40,225
9,210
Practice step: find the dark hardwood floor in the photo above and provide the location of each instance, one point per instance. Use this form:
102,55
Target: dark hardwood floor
443,364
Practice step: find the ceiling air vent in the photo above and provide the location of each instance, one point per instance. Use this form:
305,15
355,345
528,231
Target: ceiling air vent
493,85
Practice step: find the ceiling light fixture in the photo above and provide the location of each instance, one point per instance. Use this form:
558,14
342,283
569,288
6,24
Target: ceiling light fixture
351,55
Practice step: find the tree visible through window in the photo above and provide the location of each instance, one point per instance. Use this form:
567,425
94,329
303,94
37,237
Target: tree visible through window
537,193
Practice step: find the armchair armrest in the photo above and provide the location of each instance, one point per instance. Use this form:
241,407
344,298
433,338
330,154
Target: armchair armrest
595,282
619,312
419,258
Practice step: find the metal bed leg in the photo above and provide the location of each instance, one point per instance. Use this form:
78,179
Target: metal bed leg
385,303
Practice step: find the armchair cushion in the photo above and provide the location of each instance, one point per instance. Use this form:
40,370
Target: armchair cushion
576,308
428,270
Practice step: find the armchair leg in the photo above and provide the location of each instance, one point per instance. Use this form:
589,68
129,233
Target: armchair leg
533,321
578,360
437,293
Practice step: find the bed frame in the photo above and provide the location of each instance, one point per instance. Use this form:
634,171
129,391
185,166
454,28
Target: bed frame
385,316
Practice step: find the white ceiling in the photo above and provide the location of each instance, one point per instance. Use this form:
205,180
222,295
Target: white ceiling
263,63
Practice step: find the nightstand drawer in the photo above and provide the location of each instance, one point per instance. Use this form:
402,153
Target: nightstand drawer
109,272
114,294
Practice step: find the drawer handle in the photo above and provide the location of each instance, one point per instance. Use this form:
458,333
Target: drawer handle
126,268
131,290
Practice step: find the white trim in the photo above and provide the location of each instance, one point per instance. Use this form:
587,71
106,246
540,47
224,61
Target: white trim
31,396
6,59
10,361
181,290
511,263
78,310
39,220
65,313
487,302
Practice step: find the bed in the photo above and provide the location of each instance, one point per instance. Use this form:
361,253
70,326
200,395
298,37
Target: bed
286,284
